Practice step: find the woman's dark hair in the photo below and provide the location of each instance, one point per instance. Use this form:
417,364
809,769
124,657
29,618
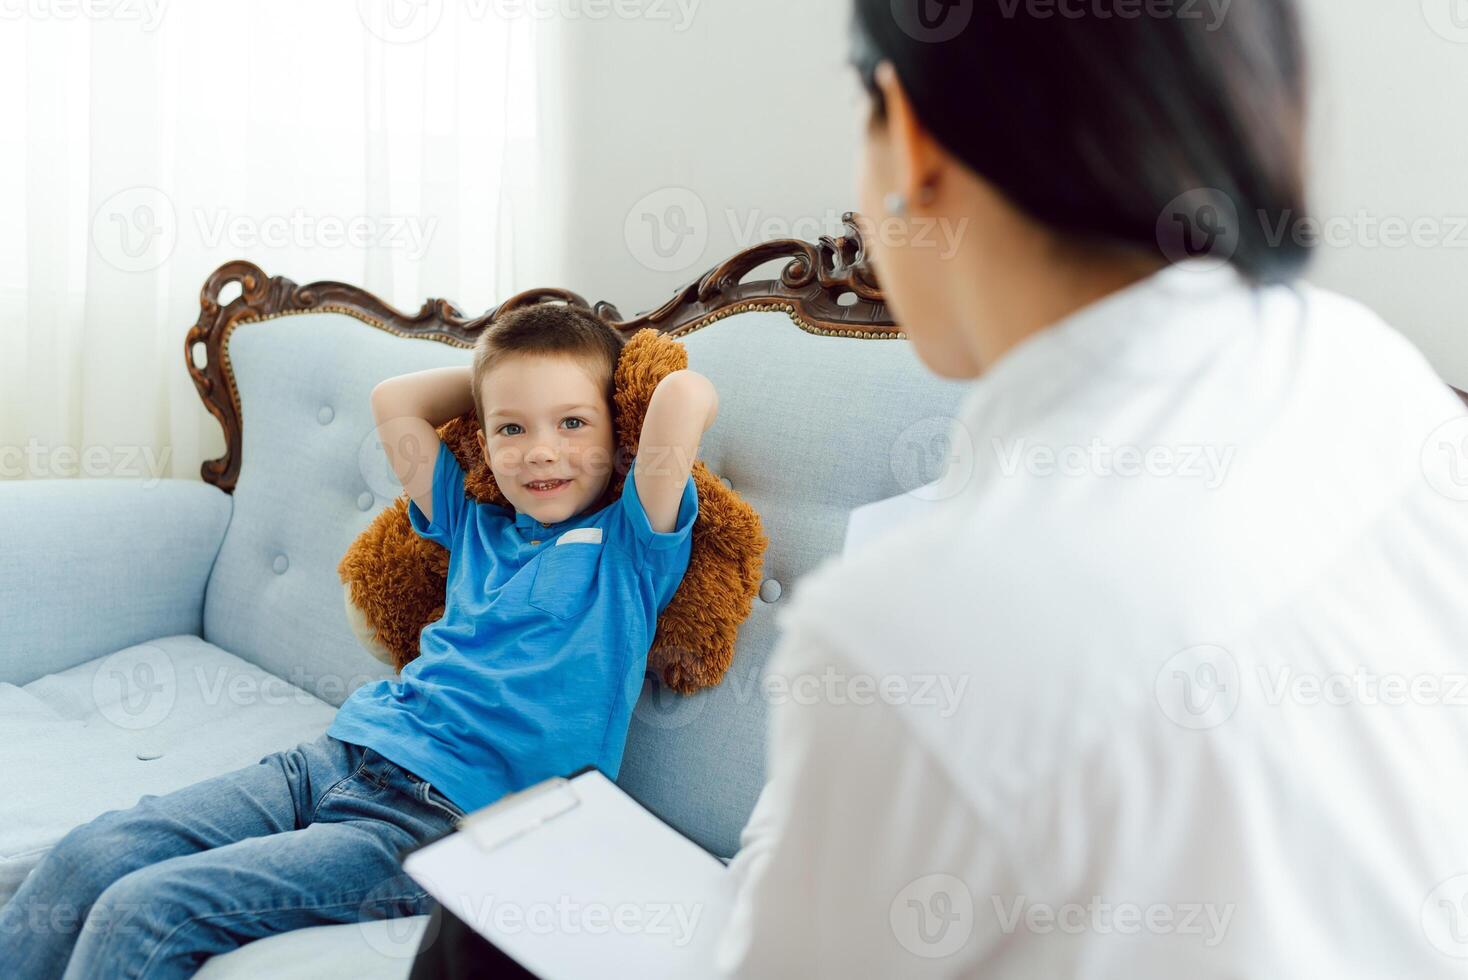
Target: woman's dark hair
1170,127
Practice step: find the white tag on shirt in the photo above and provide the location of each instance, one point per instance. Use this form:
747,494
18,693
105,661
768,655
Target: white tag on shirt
590,535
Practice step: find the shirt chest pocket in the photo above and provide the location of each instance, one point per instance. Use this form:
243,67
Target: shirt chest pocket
565,579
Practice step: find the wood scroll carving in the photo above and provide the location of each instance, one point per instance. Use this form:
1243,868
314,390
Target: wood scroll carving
826,287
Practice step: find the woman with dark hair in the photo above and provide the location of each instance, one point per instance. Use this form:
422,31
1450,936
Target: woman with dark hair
1168,681
1198,544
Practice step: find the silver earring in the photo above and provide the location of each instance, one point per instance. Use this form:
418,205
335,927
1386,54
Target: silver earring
896,204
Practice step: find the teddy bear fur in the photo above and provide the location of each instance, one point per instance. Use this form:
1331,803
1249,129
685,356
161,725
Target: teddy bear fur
395,580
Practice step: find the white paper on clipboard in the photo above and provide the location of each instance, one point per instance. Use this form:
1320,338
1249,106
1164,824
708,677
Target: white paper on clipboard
870,522
574,878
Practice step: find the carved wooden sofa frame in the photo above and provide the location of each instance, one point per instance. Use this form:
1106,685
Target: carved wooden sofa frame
827,288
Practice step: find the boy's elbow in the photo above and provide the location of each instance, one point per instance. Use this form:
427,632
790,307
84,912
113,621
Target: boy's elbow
713,408
385,401
695,390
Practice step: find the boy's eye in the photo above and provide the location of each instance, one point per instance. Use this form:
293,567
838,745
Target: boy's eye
516,425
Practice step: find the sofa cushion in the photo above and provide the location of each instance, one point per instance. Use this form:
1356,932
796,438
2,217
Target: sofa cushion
149,718
377,949
91,565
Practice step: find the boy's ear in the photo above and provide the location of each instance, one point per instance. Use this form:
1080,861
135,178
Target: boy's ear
483,447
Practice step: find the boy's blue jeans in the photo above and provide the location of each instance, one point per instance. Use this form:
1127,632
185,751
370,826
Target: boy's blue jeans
307,836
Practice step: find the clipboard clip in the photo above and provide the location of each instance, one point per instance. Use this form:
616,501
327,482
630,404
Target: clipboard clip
520,813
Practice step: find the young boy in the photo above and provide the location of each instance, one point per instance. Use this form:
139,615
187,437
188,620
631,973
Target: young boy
531,672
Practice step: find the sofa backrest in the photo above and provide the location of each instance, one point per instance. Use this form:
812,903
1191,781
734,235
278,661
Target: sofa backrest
809,427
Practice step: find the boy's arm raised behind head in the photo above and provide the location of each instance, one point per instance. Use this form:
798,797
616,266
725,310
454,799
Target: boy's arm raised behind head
408,409
682,408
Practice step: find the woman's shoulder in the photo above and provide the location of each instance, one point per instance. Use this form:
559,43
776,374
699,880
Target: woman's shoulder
1347,331
906,574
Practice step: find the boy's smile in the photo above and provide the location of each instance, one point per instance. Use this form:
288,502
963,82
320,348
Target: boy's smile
547,435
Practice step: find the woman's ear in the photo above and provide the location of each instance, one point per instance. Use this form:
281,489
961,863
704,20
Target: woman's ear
917,158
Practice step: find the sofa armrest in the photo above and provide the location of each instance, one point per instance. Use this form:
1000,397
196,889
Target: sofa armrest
91,566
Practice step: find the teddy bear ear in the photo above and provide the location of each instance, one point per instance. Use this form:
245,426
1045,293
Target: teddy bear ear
646,359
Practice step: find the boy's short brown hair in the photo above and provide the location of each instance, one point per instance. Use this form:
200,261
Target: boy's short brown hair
547,329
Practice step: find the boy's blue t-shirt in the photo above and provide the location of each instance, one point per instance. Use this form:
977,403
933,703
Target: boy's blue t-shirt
535,666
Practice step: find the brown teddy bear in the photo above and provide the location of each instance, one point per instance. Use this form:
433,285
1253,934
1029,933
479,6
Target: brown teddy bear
394,580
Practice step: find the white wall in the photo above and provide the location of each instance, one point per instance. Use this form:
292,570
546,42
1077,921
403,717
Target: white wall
749,114
752,110
1389,140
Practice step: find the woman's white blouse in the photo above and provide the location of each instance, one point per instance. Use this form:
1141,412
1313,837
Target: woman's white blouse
1170,679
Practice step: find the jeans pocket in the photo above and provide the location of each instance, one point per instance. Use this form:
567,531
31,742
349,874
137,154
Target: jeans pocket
434,798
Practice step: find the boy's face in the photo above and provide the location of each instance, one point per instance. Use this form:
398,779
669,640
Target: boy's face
546,419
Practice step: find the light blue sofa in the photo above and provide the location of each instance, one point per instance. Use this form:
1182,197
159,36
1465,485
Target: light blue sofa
158,633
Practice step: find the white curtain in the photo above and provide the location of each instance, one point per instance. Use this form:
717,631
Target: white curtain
143,143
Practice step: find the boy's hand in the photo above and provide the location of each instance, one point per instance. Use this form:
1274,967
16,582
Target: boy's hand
682,408
408,409
411,446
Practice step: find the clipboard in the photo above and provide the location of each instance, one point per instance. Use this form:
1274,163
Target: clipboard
872,521
573,878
